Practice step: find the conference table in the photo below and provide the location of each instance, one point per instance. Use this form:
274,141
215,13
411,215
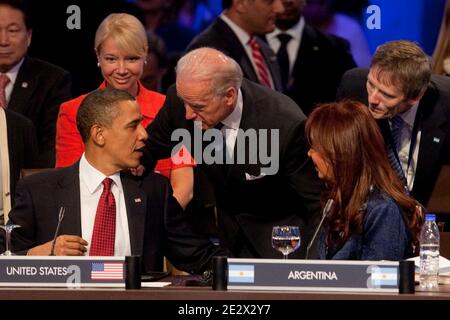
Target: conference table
178,291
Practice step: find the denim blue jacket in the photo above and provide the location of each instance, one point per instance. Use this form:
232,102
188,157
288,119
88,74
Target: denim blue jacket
384,236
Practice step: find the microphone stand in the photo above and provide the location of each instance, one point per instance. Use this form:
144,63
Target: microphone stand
60,219
325,212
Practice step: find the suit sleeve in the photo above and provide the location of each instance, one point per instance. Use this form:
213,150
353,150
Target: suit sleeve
32,149
60,92
69,145
22,238
300,172
159,144
186,249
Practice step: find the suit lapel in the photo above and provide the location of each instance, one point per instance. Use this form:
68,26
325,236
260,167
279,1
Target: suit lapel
305,54
136,203
249,120
432,136
272,64
23,88
67,195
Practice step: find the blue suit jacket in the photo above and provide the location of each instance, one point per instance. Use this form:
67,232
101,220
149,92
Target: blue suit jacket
384,235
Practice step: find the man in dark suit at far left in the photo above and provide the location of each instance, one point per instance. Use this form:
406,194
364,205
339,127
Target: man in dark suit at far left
30,86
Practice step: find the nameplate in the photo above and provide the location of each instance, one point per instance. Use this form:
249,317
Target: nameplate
71,272
313,275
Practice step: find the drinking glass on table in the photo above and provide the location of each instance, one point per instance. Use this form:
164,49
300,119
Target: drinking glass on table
8,229
286,239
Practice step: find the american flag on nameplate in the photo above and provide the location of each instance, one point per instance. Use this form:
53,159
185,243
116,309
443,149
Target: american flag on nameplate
107,271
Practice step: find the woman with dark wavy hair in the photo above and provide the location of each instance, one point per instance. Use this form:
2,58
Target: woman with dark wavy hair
372,217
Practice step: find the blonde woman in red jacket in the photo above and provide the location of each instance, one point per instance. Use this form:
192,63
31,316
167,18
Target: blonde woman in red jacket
121,48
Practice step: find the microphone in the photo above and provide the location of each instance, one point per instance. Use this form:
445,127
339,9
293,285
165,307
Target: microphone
325,212
60,219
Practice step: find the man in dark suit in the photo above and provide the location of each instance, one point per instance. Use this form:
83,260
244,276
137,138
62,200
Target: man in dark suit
399,86
267,179
34,87
144,218
233,31
311,62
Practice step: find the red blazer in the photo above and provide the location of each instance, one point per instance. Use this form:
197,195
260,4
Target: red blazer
69,145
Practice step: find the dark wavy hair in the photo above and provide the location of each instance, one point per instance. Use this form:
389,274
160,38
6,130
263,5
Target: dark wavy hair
349,139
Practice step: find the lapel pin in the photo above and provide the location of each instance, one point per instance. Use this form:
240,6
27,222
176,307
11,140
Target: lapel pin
24,84
137,200
436,140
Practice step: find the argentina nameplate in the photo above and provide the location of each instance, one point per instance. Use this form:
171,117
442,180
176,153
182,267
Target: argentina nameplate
313,275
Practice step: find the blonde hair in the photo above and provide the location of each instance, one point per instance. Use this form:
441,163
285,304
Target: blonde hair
442,50
126,30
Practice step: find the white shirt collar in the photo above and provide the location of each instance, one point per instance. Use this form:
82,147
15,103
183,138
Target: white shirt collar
295,31
409,116
13,72
234,119
242,35
94,178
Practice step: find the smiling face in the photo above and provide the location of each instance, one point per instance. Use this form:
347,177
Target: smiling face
385,98
124,137
121,70
14,37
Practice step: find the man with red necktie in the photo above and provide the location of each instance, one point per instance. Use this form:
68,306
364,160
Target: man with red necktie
235,32
107,210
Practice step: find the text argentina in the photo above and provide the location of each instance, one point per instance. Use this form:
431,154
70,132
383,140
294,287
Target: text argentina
312,275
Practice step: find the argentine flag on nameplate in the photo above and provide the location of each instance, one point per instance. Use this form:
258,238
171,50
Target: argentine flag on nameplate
241,273
384,276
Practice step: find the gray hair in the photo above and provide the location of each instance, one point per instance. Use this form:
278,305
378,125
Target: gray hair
100,107
208,64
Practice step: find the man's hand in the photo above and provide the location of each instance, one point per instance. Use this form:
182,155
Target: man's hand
65,245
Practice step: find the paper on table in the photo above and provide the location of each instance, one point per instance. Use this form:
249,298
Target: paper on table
155,284
444,265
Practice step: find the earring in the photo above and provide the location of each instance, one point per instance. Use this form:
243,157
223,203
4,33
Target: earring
145,62
98,64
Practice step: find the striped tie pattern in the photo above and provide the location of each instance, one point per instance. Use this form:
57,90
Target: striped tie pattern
396,126
4,80
261,67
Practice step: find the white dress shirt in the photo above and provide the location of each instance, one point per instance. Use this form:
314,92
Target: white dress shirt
244,38
231,126
404,145
91,189
296,32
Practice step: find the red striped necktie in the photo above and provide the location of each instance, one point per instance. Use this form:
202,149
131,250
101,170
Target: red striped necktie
104,234
261,66
4,80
